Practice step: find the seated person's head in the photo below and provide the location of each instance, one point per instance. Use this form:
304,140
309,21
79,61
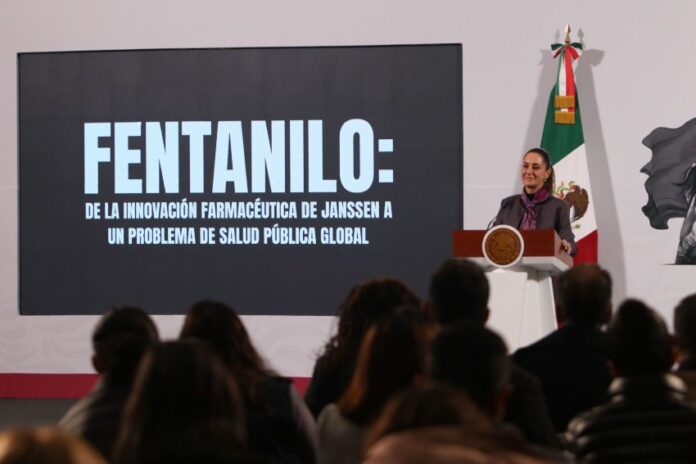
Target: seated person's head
392,357
584,295
427,406
441,424
639,344
369,301
218,325
470,357
185,407
459,292
45,445
364,304
120,339
685,326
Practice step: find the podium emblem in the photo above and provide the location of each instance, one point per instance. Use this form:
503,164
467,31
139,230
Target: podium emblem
503,246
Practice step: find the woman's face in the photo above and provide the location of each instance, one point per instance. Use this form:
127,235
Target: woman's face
534,172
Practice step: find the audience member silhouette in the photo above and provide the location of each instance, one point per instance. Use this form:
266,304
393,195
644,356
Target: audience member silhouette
119,341
45,445
438,424
392,357
646,417
185,407
571,362
364,304
459,291
280,427
474,359
685,332
429,405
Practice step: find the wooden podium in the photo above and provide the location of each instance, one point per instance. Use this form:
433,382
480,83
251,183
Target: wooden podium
522,308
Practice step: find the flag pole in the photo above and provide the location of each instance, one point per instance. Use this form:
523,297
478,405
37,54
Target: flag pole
567,31
564,139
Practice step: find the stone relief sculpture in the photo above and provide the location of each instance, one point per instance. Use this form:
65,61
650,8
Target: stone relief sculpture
671,184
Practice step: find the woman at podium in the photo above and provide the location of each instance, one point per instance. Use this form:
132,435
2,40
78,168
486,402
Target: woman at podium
536,207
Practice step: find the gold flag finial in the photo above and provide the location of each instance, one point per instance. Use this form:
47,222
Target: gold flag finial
567,31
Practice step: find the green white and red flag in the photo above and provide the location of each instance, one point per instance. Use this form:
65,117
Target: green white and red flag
564,140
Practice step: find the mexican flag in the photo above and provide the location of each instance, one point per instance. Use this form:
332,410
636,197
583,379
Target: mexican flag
564,141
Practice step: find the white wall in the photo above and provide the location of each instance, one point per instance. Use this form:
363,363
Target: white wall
636,74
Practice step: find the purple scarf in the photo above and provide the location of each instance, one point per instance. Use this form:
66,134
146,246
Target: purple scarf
529,219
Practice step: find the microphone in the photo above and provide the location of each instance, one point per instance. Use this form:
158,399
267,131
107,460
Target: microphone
492,223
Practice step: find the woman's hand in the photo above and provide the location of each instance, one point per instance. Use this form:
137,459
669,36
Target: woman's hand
566,246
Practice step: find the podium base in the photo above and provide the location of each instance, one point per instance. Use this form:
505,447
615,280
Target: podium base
522,308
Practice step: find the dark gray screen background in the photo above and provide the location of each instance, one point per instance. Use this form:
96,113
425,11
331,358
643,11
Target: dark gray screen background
411,94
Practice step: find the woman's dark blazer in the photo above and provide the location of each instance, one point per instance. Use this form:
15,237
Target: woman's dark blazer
552,213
